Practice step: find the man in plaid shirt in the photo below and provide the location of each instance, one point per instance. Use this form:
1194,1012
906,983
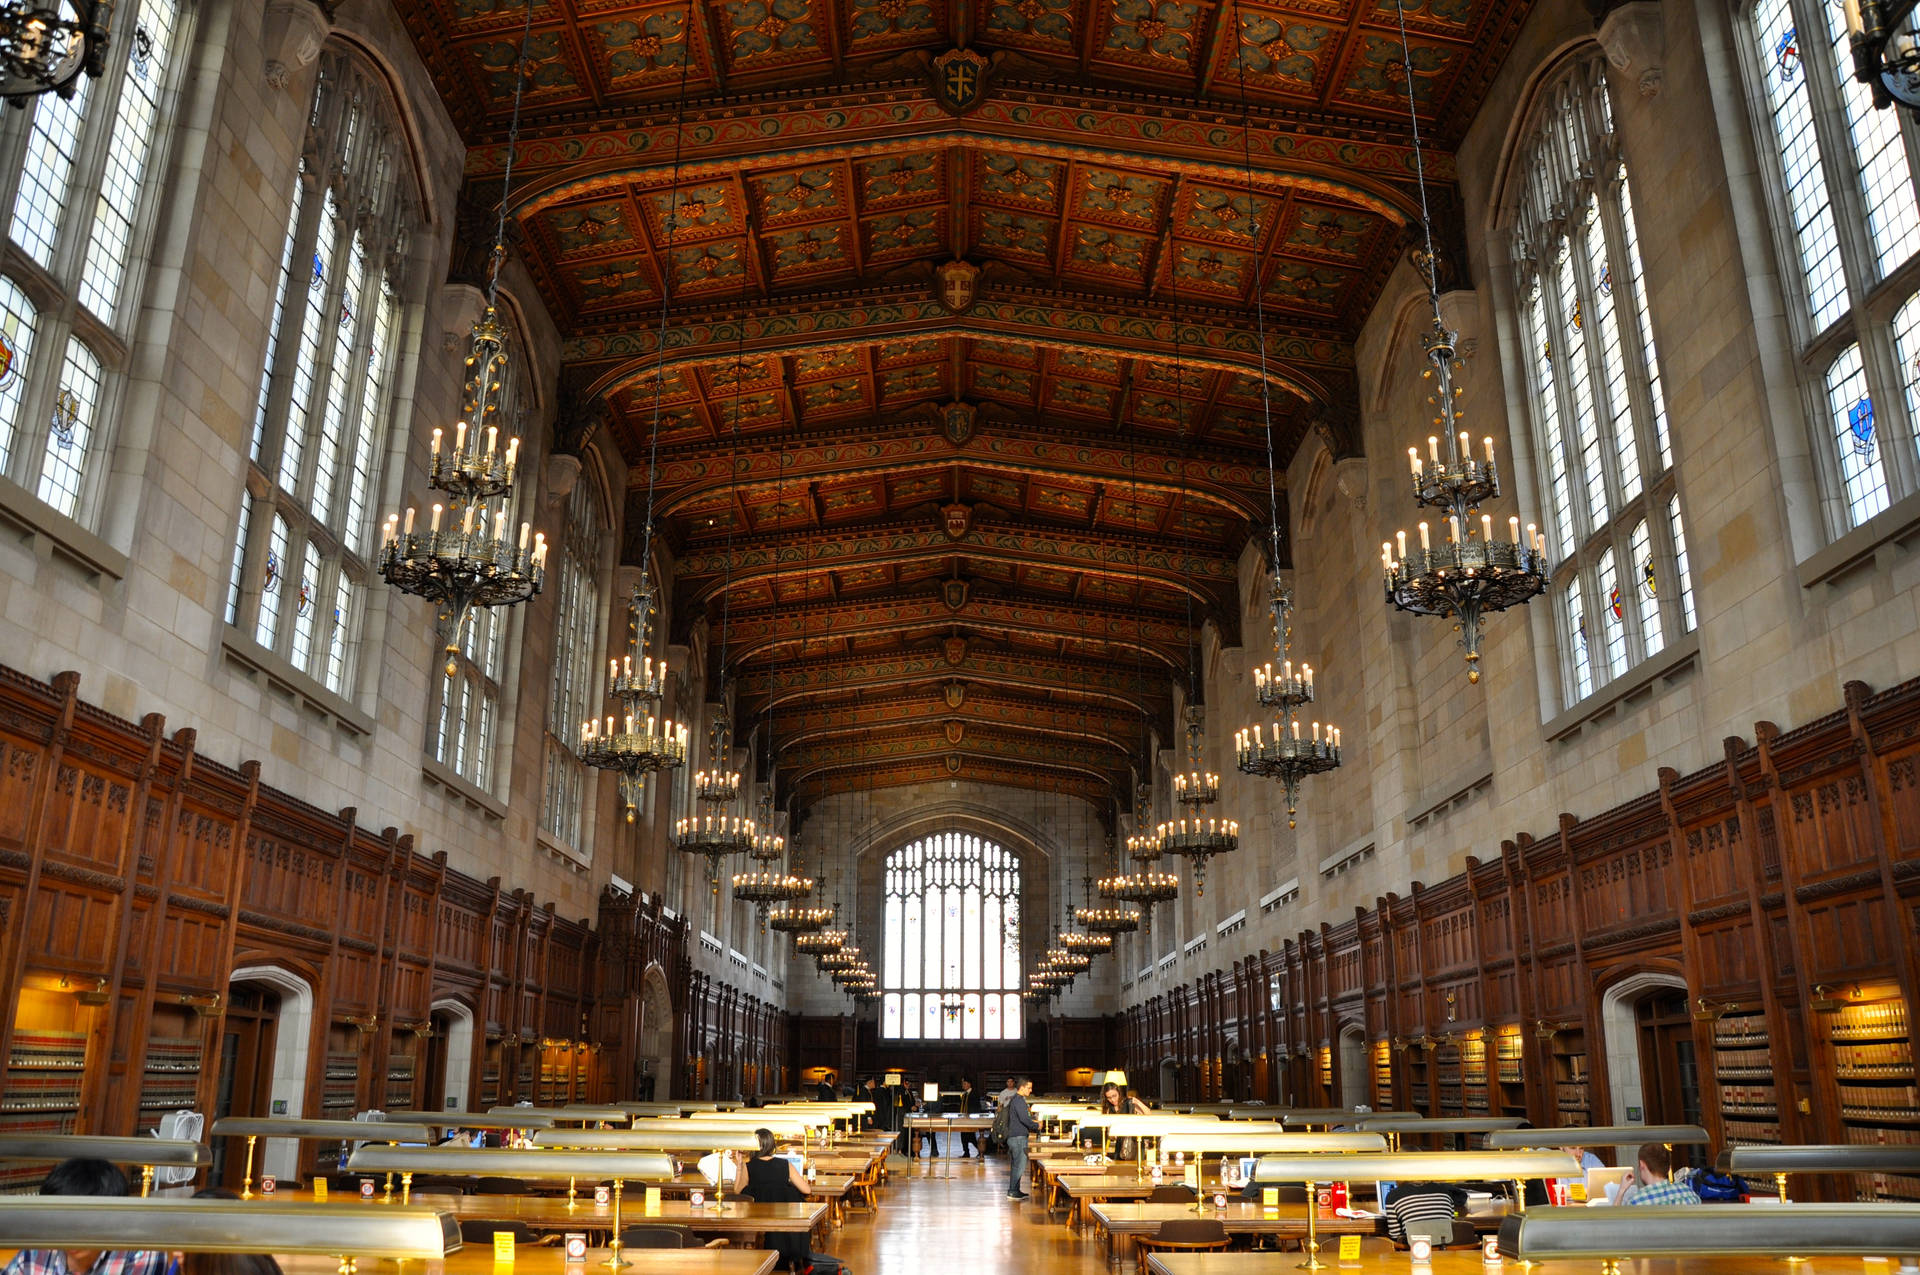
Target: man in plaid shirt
1651,1185
84,1177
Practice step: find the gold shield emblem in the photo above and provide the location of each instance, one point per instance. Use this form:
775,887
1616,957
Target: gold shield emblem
959,80
953,763
959,284
956,694
956,731
955,649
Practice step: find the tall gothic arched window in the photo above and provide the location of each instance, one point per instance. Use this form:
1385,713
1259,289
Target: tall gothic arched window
1848,209
79,209
304,548
1597,403
573,693
951,949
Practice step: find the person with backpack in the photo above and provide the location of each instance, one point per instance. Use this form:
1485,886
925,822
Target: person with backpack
1020,1126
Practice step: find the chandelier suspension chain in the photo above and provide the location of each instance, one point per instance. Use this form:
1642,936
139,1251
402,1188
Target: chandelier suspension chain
1259,283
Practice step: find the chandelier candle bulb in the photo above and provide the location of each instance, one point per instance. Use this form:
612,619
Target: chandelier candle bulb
1488,440
1426,544
1486,528
492,431
1400,537
433,526
1513,529
436,442
1466,449
459,436
1413,457
1433,447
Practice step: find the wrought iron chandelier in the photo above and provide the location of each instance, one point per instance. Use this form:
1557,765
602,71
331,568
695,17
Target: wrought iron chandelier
1473,573
840,958
795,917
635,742
1885,42
464,556
46,45
716,834
818,943
765,887
1286,753
1195,836
1094,943
1144,885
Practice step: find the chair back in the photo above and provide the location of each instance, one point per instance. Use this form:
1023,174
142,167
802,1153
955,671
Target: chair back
440,1184
657,1237
1192,1230
481,1231
502,1186
1173,1194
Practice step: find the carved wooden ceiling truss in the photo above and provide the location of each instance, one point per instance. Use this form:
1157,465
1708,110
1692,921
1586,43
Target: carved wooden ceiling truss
960,403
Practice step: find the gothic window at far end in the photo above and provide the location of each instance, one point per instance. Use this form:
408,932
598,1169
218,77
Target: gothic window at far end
1847,220
951,960
1596,401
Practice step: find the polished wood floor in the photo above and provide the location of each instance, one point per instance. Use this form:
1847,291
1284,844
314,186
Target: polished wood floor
953,1217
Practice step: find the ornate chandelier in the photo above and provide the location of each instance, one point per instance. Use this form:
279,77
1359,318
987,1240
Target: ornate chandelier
818,943
1285,754
1193,836
1108,920
795,917
840,958
1470,575
464,557
644,744
765,887
1097,943
45,45
1884,38
1144,885
715,835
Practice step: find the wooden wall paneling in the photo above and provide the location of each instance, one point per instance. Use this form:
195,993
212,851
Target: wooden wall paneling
62,698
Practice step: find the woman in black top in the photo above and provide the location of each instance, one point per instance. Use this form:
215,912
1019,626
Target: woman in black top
770,1179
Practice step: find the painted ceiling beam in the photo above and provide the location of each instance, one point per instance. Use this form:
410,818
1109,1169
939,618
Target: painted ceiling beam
1130,689
1233,479
986,706
1164,637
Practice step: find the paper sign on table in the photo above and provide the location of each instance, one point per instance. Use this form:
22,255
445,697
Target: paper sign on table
651,1205
319,1190
576,1246
1349,1248
503,1247
1269,1197
1190,1174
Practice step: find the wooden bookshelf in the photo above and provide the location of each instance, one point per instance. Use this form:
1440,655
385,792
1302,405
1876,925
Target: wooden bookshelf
46,1063
1510,1071
1382,1075
170,1071
1449,1080
1743,1070
1873,1075
1473,1076
1572,1081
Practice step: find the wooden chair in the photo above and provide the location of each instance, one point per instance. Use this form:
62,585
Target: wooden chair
1172,1193
1184,1235
481,1232
440,1184
502,1186
655,1236
862,1192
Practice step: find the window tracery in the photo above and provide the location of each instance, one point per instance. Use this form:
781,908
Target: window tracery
951,941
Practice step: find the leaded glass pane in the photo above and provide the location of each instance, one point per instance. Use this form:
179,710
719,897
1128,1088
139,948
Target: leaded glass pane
287,273
1645,581
135,126
17,319
1582,653
1613,616
1886,180
1791,108
76,408
1856,437
48,172
966,890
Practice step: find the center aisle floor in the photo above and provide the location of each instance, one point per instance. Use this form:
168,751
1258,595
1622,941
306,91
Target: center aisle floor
961,1225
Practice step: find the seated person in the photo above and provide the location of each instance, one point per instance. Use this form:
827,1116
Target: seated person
1429,1207
1649,1183
773,1179
85,1177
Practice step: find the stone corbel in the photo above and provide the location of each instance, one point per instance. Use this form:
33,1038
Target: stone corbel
1350,480
1635,38
292,36
563,472
460,306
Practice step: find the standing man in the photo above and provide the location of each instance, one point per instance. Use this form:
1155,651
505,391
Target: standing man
825,1093
1020,1126
971,1104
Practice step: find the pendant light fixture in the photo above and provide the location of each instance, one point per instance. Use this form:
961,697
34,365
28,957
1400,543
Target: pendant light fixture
465,557
1472,573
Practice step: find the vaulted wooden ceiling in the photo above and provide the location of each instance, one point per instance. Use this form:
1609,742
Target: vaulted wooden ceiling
945,323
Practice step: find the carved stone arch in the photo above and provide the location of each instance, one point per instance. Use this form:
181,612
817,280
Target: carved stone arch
363,48
1618,1066
653,1057
295,1032
460,1053
1508,173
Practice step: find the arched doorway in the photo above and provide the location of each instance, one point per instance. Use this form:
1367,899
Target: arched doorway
1354,1091
1169,1080
655,1057
449,1056
1653,1074
265,1035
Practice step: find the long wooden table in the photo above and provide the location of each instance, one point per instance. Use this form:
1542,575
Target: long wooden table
477,1259
1123,1221
952,1124
551,1213
1084,1189
1380,1260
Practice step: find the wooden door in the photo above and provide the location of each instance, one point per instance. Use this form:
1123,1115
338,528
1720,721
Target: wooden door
436,1079
245,1087
1669,1065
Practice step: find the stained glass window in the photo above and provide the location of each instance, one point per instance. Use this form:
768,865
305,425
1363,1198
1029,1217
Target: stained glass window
1860,168
1596,402
950,958
83,202
325,390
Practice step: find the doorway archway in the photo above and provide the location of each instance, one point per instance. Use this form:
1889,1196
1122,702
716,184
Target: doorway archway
1169,1080
1354,1091
292,1044
455,1020
1630,1090
655,1058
